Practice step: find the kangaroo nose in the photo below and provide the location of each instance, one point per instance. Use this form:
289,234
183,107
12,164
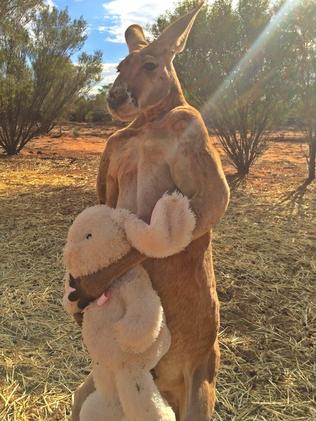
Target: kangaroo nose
117,97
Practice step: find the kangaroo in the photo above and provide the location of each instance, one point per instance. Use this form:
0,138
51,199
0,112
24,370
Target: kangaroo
165,148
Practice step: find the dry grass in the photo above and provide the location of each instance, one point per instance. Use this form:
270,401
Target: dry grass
266,275
264,253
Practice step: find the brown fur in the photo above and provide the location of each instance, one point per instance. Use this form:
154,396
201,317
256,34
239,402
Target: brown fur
165,148
90,287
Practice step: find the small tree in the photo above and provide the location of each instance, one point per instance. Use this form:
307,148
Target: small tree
240,128
248,101
210,50
237,92
21,10
300,40
37,77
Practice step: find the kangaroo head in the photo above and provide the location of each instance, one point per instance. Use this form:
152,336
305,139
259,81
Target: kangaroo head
146,75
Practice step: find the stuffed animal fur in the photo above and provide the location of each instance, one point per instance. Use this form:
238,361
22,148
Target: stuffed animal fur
125,330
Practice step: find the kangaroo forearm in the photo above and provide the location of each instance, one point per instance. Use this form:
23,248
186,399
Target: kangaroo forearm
90,287
209,211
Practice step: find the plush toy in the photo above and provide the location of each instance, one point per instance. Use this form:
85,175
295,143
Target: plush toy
124,330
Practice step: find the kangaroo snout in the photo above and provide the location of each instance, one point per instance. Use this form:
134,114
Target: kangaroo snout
117,97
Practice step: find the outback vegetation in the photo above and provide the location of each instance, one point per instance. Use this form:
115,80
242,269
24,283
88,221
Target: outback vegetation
264,248
252,72
37,77
90,109
254,69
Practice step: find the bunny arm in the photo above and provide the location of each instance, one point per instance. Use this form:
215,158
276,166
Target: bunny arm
170,229
142,321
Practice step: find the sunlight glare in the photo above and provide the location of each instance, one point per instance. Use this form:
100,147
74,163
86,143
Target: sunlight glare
275,23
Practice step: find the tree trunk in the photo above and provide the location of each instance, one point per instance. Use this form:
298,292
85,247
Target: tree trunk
312,157
11,149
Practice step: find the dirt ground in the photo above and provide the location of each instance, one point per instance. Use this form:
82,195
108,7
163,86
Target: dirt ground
264,251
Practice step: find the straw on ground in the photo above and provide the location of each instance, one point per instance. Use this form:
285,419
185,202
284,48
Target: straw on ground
264,258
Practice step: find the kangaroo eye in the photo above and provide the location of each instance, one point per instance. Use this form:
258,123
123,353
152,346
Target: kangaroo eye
150,66
88,236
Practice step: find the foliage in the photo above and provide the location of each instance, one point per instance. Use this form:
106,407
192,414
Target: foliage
37,77
240,128
20,10
75,133
230,92
238,67
91,109
299,43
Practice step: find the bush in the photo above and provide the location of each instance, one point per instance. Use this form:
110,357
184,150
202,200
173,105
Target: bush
75,133
37,77
236,86
240,127
91,109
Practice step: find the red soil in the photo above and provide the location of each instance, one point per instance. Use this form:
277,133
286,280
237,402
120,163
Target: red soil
285,159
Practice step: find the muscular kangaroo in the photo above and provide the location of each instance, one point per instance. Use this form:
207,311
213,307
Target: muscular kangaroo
165,148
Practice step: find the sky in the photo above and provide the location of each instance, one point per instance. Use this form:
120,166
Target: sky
107,21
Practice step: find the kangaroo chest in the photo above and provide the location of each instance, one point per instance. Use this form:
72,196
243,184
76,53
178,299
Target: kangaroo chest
141,174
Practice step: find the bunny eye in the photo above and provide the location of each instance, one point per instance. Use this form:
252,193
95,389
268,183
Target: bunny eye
88,236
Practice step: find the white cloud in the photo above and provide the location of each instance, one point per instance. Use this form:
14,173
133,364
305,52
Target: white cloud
50,4
108,75
109,72
102,28
121,14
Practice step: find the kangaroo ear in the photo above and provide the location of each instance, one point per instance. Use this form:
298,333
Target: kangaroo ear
135,38
174,37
